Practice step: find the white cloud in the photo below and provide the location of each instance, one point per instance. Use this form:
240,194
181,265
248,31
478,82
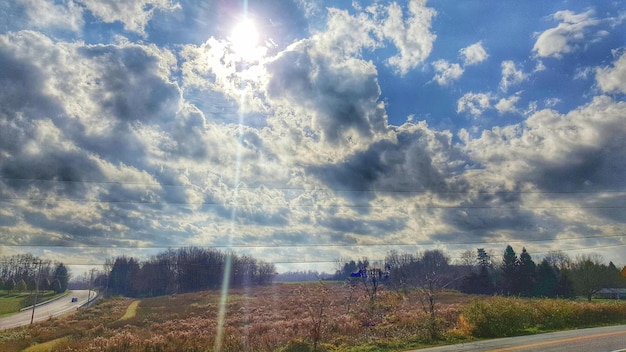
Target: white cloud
48,14
412,37
346,35
473,54
133,14
556,151
551,102
511,75
613,79
507,104
584,73
446,72
474,103
539,67
311,7
566,36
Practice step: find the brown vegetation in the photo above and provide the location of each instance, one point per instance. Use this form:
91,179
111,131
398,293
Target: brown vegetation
280,317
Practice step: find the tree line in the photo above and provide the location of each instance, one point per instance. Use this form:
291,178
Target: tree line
302,276
182,270
26,272
557,275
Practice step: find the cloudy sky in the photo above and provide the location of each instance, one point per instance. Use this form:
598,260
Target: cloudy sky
301,132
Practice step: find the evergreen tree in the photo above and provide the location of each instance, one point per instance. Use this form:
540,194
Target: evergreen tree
547,280
615,276
479,283
508,283
61,275
565,286
526,274
118,279
483,259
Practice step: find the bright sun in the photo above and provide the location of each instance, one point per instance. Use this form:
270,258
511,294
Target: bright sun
244,39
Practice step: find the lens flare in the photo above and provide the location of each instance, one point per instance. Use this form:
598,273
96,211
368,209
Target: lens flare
244,39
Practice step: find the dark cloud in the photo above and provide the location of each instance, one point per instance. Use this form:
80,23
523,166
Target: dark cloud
342,98
168,232
364,227
72,229
67,170
263,217
307,238
21,101
583,169
402,168
609,206
21,88
489,219
359,173
186,134
7,221
258,153
27,116
131,88
291,75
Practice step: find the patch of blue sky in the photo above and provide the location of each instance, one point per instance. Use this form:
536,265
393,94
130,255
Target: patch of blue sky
214,105
97,31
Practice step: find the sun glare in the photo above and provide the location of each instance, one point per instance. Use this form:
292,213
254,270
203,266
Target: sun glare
244,39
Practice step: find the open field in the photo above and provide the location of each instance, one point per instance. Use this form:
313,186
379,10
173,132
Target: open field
302,317
13,302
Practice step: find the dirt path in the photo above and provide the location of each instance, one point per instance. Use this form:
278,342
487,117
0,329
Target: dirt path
131,311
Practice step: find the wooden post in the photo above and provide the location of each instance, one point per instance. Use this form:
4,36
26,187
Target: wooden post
32,316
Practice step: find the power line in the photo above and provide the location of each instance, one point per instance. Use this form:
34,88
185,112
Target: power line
335,261
287,205
314,189
326,245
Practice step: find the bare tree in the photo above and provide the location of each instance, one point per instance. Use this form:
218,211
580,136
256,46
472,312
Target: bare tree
589,275
317,307
467,258
558,259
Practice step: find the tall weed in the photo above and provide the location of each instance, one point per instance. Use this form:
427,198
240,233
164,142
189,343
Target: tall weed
507,316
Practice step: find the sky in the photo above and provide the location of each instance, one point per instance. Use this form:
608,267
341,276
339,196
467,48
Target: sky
305,133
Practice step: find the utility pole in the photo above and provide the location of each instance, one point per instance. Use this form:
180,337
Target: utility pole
32,316
90,285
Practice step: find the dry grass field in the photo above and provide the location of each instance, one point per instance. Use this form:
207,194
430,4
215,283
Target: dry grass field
280,317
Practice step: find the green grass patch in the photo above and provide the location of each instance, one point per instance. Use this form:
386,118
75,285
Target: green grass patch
45,346
131,311
507,316
11,303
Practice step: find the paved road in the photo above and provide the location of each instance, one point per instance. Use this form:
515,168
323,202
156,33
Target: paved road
612,338
52,309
